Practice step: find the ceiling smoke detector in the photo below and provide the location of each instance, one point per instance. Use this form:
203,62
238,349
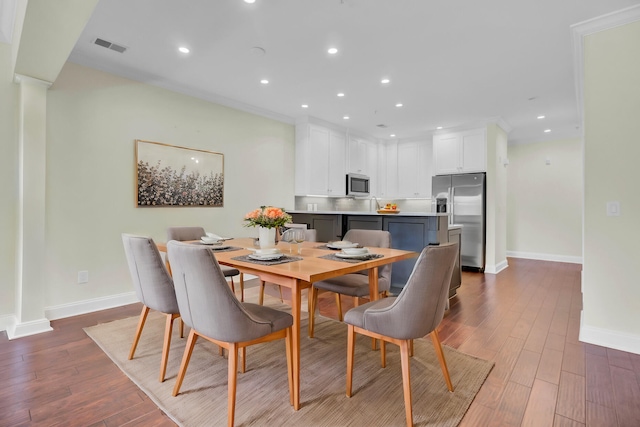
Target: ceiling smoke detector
109,45
382,125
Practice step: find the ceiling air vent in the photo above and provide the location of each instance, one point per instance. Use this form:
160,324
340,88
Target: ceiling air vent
381,125
109,45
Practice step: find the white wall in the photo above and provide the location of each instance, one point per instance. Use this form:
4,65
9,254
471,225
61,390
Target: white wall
8,178
611,308
93,119
544,209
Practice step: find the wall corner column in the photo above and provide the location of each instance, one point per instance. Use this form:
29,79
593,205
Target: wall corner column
30,240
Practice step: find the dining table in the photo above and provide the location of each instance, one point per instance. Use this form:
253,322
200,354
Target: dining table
298,272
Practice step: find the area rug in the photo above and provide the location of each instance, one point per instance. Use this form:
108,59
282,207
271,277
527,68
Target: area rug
262,392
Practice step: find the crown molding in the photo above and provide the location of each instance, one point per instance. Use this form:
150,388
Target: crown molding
21,78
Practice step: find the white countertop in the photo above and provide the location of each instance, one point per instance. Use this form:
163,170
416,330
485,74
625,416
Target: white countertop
455,226
366,213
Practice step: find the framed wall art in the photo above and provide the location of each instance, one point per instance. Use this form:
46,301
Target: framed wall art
169,175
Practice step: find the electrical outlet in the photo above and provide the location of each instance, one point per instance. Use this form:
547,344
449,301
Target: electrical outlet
83,276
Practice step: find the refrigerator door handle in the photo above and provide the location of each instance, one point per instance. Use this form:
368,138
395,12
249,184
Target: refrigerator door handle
453,195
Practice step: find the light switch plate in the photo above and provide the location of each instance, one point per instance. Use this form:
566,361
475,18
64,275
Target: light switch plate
613,208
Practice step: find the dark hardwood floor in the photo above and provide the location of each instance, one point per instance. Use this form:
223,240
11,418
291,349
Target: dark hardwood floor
525,319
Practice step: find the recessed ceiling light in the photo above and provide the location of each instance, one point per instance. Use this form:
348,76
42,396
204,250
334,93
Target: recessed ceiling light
305,106
393,135
439,127
547,130
399,104
264,81
385,81
346,117
250,1
332,50
341,94
183,49
540,117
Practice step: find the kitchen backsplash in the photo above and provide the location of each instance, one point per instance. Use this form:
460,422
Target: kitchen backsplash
303,203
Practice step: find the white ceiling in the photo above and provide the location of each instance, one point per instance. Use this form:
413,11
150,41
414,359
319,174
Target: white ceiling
451,63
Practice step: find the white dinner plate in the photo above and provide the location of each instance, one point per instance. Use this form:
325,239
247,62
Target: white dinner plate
211,243
217,248
338,245
353,256
268,257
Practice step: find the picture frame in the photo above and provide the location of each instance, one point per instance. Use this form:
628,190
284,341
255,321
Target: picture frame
174,176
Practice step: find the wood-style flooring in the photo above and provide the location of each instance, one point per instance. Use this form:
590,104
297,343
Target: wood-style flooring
525,319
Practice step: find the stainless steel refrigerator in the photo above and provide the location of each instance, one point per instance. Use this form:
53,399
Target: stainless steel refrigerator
466,194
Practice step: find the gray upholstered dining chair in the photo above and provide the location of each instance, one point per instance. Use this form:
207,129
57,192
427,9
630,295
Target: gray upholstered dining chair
182,234
154,289
211,310
356,284
416,312
310,235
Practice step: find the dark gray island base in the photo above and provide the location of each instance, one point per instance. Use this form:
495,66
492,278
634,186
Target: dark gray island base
409,231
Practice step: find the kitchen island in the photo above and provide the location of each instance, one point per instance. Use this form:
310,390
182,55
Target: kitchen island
410,231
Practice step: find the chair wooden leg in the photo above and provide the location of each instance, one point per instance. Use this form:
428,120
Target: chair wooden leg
231,383
443,362
188,349
181,328
243,355
280,289
411,348
241,287
261,296
339,305
351,338
406,380
168,329
383,354
136,338
312,310
233,287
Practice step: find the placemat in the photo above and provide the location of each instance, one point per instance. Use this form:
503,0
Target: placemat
332,257
283,260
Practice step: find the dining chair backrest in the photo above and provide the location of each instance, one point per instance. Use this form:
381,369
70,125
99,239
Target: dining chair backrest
206,302
420,307
185,233
372,238
151,280
311,235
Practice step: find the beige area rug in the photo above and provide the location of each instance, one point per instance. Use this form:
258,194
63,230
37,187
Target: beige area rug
262,392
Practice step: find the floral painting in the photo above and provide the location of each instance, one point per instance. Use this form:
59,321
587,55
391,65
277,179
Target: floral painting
169,175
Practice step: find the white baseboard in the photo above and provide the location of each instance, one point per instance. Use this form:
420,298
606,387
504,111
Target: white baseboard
545,257
24,329
496,268
607,338
89,306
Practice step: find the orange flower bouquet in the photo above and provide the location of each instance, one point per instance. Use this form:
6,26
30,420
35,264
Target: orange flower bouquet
268,217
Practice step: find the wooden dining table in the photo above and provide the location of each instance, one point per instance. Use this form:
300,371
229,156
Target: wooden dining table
299,275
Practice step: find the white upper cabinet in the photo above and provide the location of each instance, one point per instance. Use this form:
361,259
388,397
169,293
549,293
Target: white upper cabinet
460,152
363,156
414,169
320,167
387,170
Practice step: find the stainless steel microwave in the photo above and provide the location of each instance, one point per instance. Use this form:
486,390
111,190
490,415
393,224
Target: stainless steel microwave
357,185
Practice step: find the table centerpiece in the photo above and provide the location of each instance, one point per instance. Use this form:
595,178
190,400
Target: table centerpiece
268,219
